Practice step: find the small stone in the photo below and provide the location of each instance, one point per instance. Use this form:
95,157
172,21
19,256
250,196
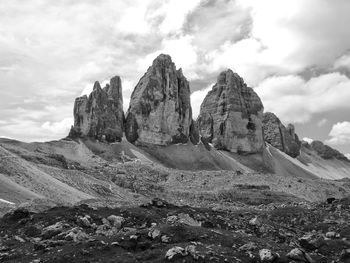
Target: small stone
154,233
19,239
191,250
254,222
165,239
134,237
186,219
54,230
172,219
84,221
311,241
77,235
248,247
331,234
299,255
175,251
266,255
116,221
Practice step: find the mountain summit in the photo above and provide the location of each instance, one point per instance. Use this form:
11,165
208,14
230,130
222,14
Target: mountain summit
160,110
101,114
231,115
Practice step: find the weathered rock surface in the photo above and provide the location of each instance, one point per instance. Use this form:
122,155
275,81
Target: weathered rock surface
327,152
194,132
158,231
279,136
231,116
101,114
160,111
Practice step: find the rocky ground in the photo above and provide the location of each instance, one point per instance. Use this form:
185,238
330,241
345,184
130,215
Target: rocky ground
83,201
161,232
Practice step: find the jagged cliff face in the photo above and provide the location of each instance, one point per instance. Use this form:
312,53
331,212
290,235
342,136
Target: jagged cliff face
325,151
231,116
279,136
160,111
101,114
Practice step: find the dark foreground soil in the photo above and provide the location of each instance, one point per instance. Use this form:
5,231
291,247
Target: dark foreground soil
161,232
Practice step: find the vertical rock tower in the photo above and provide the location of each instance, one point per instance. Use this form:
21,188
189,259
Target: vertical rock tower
100,115
231,116
279,136
160,111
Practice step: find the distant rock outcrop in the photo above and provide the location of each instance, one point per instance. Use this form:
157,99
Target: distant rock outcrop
101,114
231,116
160,111
279,136
327,152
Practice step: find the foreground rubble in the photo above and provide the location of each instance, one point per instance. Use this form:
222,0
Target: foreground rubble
162,232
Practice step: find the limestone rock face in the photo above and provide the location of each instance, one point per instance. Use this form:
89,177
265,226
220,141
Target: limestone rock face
231,116
279,136
160,111
100,115
194,132
327,152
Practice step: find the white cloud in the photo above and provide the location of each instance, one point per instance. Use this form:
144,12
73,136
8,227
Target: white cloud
197,98
29,130
340,134
51,52
134,19
283,39
174,13
322,122
59,127
182,52
342,62
295,100
128,87
308,140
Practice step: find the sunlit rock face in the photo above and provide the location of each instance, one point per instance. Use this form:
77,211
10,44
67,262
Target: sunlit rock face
100,115
160,110
279,136
231,116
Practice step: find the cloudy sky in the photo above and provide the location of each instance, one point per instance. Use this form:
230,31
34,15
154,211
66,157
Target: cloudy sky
295,53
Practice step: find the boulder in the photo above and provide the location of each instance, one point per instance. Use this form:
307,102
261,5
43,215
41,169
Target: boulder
231,116
279,136
100,115
160,110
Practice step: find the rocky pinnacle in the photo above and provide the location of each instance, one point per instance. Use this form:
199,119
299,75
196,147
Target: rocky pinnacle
100,115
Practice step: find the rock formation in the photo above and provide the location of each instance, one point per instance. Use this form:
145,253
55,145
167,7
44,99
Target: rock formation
231,116
194,132
279,136
160,111
100,115
326,152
